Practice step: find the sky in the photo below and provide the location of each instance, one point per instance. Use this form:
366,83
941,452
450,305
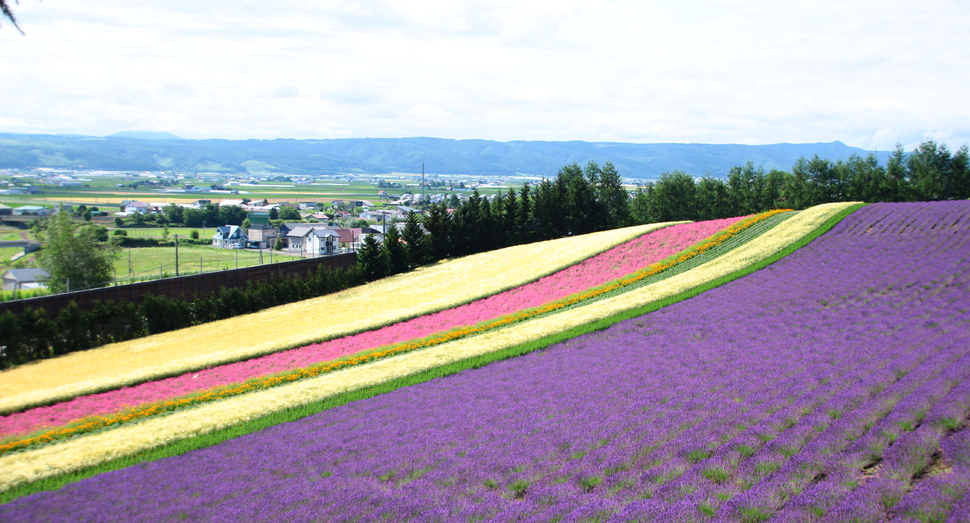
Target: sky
868,73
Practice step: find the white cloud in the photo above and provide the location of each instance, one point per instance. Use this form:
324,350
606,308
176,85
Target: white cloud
725,71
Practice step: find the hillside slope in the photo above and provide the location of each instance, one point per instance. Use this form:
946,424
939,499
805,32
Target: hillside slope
833,384
384,155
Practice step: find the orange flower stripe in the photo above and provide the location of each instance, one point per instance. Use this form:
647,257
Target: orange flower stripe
144,411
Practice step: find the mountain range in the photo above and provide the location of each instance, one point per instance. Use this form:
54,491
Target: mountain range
150,151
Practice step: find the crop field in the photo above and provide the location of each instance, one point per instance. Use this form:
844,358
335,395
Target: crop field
661,378
103,194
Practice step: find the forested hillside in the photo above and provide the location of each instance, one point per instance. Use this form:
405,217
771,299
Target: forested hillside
382,155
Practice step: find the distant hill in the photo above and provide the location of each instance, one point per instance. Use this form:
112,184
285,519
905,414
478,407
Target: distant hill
145,135
135,150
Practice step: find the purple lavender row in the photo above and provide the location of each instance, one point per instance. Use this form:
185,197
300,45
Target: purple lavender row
766,398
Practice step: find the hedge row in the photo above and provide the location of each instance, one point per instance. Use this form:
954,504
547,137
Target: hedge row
32,335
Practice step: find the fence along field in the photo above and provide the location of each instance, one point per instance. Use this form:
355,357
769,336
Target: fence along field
675,425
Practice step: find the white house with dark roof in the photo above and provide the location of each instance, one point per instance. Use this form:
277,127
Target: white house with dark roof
135,206
297,237
322,242
230,237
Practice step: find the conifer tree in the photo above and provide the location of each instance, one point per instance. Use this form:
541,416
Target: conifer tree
414,241
372,259
396,252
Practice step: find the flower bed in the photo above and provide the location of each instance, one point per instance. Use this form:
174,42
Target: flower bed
780,405
428,289
620,261
80,453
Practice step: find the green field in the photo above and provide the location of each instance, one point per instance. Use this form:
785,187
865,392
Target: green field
150,263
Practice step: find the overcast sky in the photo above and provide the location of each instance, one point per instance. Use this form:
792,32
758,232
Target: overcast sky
868,73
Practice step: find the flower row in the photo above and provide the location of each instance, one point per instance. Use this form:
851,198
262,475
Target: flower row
196,397
428,290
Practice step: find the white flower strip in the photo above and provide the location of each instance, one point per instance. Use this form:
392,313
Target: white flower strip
429,289
86,451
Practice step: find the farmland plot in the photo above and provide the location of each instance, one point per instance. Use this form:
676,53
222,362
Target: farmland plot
831,385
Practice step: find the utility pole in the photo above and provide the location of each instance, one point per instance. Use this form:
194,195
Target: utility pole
422,183
176,255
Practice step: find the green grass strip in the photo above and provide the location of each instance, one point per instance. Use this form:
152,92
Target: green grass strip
296,413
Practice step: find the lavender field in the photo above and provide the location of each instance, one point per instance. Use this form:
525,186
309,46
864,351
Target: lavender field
830,386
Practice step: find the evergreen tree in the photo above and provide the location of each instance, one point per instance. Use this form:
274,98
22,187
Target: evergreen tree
438,224
674,197
898,184
774,181
546,211
395,250
614,197
960,168
466,226
372,259
644,207
714,200
512,234
414,241
523,220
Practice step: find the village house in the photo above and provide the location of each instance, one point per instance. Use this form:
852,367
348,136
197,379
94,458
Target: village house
134,206
262,237
230,237
23,279
31,210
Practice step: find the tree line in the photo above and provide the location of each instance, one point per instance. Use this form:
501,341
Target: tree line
578,200
930,172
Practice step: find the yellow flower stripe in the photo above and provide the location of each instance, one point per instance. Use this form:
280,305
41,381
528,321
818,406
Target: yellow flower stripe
94,423
89,450
427,289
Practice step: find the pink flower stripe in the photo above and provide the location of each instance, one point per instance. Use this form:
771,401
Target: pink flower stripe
598,270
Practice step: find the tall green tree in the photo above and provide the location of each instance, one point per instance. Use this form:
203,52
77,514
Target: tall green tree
524,221
290,214
438,224
613,196
510,216
713,199
746,185
931,173
73,257
546,210
675,197
192,218
898,187
175,213
232,215
414,241
372,259
397,254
